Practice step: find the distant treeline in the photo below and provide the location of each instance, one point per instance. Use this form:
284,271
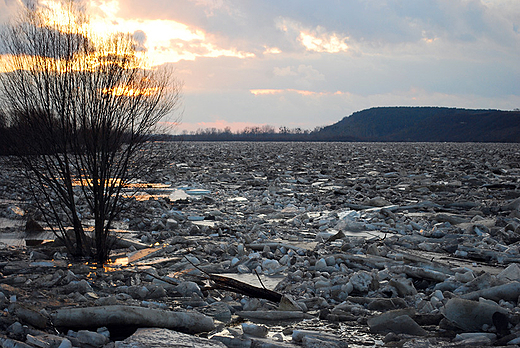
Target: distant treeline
259,133
385,124
35,133
4,135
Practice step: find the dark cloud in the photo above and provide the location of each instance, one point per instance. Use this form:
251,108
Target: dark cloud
251,25
139,37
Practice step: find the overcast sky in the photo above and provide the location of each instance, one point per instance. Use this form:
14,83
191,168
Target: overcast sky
308,63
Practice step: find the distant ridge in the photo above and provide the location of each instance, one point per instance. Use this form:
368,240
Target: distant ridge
428,124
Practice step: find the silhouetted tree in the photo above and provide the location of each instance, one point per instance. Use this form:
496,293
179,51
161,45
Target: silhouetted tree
81,108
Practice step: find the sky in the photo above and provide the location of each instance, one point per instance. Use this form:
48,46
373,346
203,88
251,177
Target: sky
309,63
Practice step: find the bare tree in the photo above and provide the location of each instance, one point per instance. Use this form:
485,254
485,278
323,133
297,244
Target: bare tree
81,108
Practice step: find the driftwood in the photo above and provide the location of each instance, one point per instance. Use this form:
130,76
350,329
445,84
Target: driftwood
233,285
10,343
118,315
272,245
274,315
230,284
29,315
420,273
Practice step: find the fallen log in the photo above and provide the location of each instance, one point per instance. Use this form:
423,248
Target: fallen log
119,315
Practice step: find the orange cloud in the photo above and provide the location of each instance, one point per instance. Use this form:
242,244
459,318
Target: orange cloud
266,91
305,93
272,50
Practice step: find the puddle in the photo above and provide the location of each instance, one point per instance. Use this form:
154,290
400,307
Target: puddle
166,191
115,182
196,218
18,239
198,192
139,254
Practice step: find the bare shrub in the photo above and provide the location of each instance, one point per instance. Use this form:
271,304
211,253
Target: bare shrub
79,109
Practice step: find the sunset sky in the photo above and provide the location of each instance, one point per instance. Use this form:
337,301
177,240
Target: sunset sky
309,63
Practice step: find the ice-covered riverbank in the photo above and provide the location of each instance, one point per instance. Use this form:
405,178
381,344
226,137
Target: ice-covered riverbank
394,243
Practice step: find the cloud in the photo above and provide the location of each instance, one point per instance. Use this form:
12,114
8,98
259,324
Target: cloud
165,40
140,38
272,50
260,92
266,91
330,43
309,62
304,72
8,11
287,71
356,27
302,76
309,73
315,108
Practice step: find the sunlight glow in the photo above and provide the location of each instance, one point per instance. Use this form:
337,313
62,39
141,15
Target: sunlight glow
109,7
162,41
90,182
159,33
9,63
116,264
129,92
57,15
7,66
165,40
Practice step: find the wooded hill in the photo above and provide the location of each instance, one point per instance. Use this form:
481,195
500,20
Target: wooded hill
379,124
433,124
